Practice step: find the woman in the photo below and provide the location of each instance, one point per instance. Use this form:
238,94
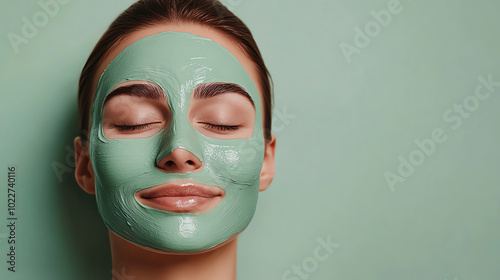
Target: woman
177,102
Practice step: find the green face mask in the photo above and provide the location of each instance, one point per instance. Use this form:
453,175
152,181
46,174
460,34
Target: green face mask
177,62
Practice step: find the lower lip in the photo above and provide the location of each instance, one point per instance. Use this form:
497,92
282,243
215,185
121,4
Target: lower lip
180,204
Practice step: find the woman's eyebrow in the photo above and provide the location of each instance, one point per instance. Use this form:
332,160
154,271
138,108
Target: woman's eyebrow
209,90
140,90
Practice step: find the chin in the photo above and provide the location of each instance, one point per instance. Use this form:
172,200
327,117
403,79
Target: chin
177,251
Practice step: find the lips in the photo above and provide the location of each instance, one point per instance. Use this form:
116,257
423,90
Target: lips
181,197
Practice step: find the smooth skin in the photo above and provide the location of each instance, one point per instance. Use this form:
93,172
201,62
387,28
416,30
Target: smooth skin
144,263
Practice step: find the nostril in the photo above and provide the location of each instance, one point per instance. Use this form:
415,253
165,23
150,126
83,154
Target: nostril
179,161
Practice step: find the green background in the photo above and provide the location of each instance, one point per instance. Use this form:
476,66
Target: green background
340,127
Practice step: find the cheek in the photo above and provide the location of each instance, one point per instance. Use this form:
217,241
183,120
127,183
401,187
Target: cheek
117,162
239,163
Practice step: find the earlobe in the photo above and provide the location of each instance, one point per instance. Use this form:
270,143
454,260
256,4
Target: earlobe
84,173
268,167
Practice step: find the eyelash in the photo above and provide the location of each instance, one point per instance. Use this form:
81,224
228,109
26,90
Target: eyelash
221,127
131,127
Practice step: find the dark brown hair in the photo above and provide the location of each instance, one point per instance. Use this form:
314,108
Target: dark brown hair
146,13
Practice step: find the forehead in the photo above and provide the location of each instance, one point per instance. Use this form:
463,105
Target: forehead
193,28
177,62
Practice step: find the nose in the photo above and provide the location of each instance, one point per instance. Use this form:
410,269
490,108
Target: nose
180,161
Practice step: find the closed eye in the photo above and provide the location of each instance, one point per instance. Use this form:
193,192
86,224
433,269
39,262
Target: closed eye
220,127
133,127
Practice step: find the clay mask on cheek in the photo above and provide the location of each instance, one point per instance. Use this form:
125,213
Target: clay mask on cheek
177,62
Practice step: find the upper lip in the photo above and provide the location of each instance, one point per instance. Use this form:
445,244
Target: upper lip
179,189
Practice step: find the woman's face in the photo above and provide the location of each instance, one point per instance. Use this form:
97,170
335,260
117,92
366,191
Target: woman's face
176,139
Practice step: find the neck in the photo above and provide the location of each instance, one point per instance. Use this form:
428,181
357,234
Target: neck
131,261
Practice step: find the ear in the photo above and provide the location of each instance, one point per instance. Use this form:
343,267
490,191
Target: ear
267,172
84,173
